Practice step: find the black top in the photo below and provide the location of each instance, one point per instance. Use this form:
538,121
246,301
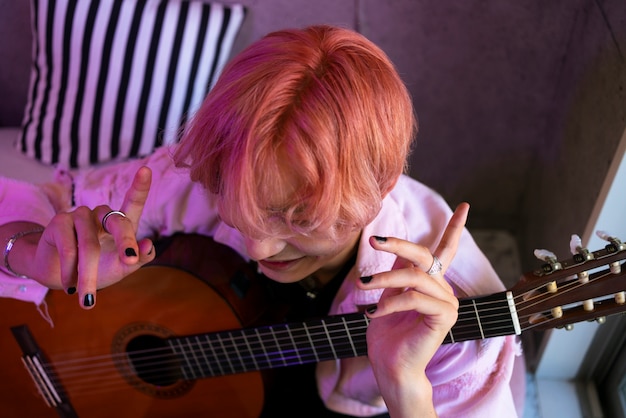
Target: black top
292,391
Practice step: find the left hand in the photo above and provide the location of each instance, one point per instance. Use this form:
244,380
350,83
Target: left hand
415,311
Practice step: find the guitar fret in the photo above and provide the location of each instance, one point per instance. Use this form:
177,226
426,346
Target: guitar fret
273,349
252,356
302,340
308,334
215,356
280,352
193,355
345,326
225,353
293,344
267,357
237,352
258,349
330,341
206,360
287,345
181,353
483,317
480,325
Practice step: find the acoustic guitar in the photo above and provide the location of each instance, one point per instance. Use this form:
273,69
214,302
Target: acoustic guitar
178,338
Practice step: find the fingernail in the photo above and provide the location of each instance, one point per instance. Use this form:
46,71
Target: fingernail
366,279
71,290
371,309
380,239
151,249
88,300
130,252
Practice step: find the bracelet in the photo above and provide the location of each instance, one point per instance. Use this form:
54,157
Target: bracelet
9,247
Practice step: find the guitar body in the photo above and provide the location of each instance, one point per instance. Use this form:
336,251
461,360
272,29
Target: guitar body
157,300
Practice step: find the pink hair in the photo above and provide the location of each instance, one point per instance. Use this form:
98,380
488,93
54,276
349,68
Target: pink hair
311,126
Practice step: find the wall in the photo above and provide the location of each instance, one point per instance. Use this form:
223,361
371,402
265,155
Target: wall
520,102
587,122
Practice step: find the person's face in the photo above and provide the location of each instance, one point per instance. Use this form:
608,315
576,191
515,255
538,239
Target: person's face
291,259
288,257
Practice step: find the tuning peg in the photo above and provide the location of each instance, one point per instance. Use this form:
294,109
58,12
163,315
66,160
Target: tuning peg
580,253
550,258
618,245
569,327
575,244
545,255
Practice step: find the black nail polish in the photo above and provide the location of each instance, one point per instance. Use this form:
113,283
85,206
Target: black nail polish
371,309
88,301
151,249
380,239
366,279
71,290
130,252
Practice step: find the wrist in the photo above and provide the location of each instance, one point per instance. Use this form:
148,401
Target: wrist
410,398
18,237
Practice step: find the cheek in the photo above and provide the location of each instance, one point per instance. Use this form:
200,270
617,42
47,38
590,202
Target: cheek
320,249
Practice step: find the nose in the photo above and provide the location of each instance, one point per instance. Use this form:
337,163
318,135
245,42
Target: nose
264,248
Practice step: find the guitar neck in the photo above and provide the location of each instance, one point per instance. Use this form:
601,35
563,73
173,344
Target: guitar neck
330,338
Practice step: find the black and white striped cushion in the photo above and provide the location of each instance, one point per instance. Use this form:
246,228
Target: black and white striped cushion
114,79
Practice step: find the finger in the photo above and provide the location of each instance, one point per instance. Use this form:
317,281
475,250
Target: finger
88,244
60,237
147,251
122,230
137,194
419,256
409,254
412,278
439,310
446,250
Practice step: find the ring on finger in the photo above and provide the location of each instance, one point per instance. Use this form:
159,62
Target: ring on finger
436,267
108,215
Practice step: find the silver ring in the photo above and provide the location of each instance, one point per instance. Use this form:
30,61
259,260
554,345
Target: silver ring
436,267
106,217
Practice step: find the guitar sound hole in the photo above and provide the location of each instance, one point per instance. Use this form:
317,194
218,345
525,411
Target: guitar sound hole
153,361
145,360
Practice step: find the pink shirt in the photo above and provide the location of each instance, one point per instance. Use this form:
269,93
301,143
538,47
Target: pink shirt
469,379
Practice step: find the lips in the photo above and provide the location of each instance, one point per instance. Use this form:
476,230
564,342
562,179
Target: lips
279,265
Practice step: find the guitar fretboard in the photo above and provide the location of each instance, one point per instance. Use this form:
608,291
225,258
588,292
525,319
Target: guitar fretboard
330,338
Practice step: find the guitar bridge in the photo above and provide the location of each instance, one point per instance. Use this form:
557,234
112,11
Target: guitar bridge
42,375
44,385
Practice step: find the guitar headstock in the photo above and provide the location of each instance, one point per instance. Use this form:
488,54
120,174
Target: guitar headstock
589,285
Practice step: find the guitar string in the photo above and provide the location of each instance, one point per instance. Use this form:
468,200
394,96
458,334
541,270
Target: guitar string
124,355
530,300
74,370
567,287
114,381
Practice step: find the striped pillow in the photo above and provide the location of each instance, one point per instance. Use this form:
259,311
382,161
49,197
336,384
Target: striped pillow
116,79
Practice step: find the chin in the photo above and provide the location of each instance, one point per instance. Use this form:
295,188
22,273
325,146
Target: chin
283,277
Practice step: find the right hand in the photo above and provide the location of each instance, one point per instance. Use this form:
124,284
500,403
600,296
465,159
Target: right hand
77,254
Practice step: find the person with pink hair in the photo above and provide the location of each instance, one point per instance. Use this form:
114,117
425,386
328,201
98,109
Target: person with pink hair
296,160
